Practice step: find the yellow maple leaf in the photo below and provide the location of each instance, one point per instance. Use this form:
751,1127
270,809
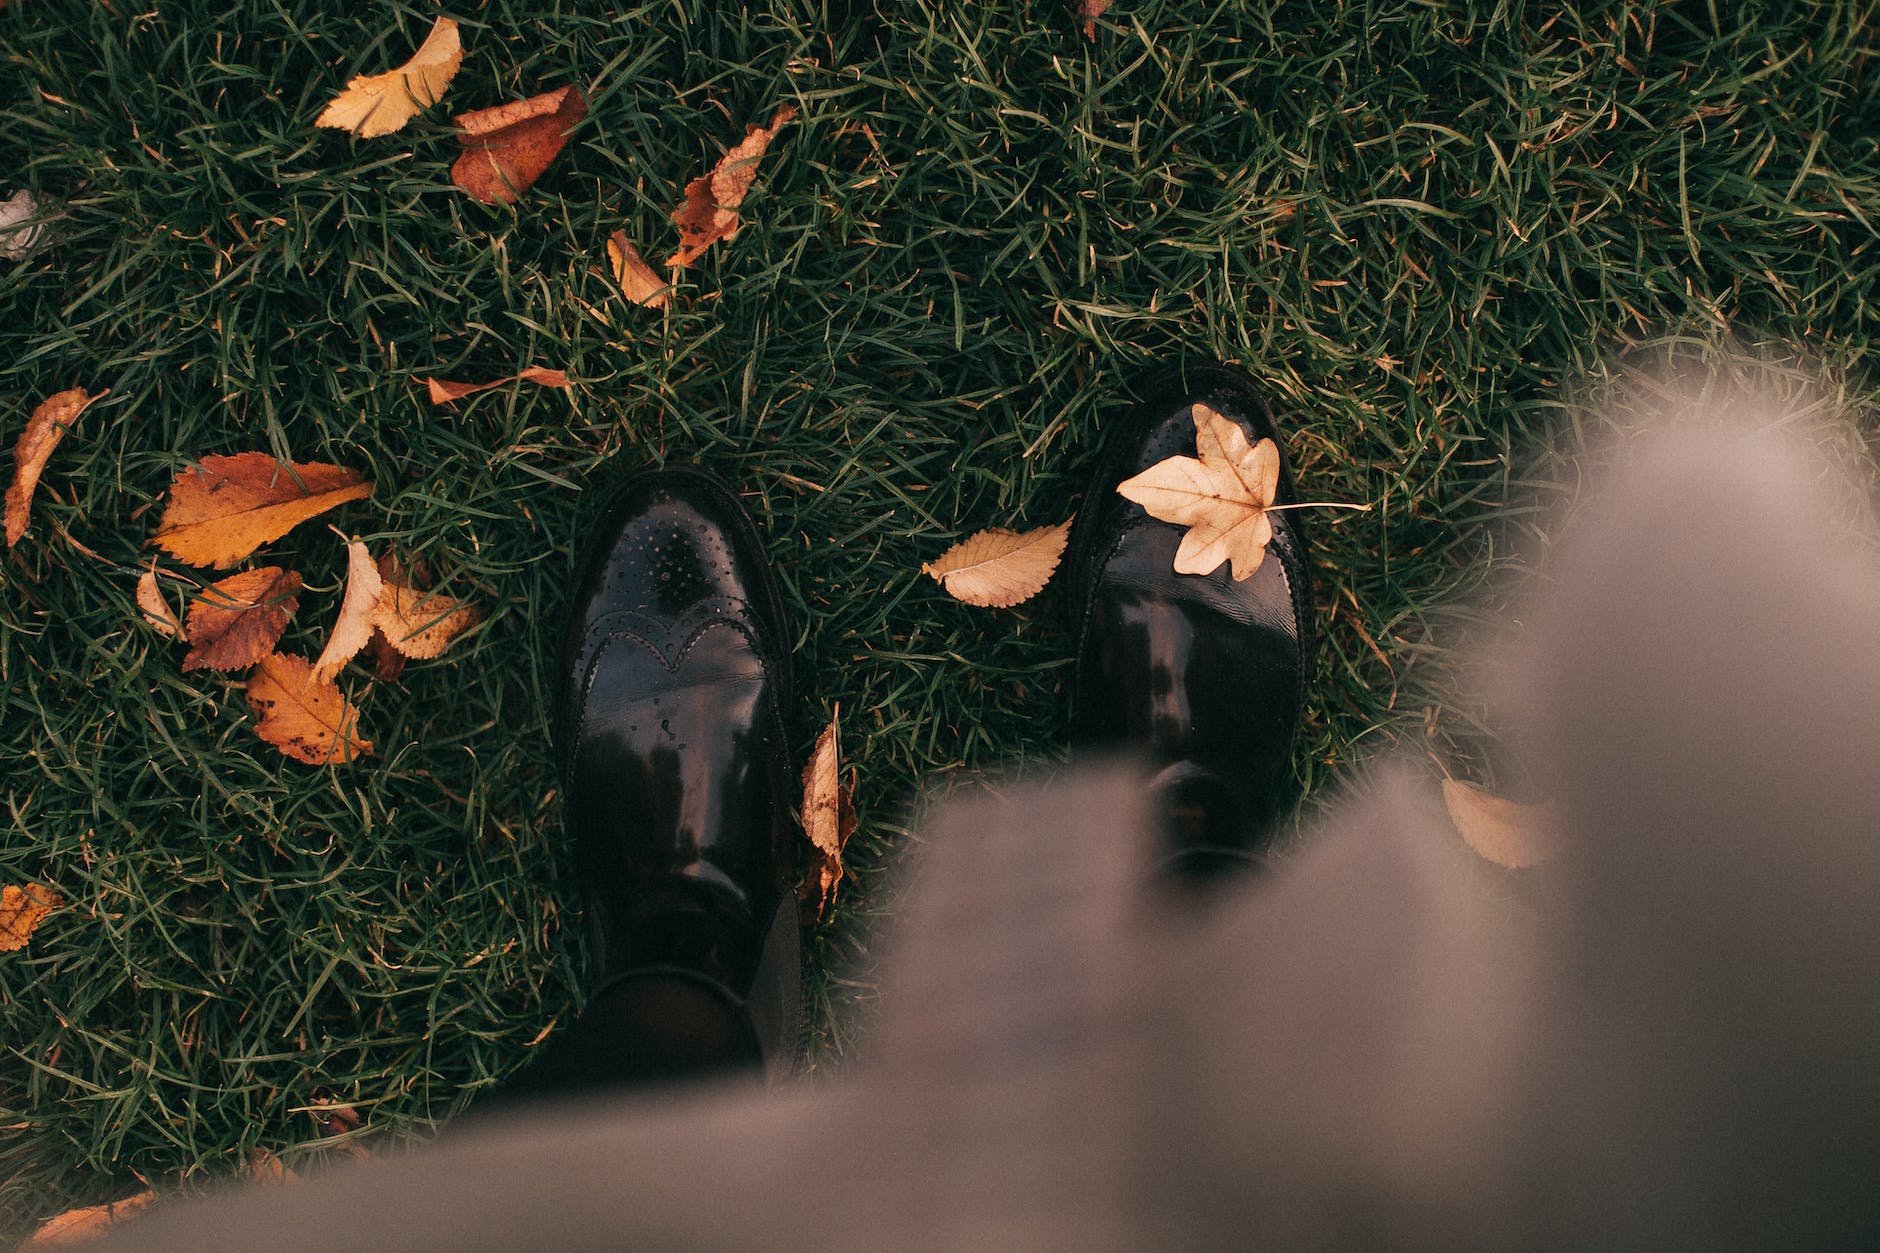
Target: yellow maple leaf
378,104
1221,497
999,568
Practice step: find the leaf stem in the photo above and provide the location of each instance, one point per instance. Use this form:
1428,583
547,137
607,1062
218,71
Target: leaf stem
1316,504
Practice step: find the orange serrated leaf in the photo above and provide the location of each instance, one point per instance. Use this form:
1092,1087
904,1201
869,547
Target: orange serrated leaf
421,624
1222,497
1090,11
236,622
443,392
307,720
638,280
81,1226
508,147
43,432
22,909
828,820
1505,832
709,212
378,104
225,508
156,606
352,630
999,568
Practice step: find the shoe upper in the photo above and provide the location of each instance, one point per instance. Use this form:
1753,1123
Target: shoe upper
674,678
1203,674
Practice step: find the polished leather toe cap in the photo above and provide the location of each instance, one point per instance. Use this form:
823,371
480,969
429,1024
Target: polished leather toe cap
674,681
1202,674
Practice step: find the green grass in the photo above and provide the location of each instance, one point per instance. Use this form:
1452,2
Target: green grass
1427,227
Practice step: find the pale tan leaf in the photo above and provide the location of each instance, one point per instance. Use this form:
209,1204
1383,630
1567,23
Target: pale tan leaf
81,1226
22,909
309,721
43,432
225,508
1505,832
828,820
353,628
999,568
378,104
638,280
421,624
236,622
156,606
1222,496
709,211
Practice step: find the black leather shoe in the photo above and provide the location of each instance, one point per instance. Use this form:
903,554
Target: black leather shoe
1203,675
673,736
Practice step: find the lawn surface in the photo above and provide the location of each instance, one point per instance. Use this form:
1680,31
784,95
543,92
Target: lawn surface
1423,226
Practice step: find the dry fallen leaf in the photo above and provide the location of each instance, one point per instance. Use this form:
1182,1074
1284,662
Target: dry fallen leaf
21,910
265,1167
156,606
1090,11
21,225
312,722
353,628
637,279
378,104
225,508
710,210
443,392
43,432
81,1226
507,148
1222,498
828,820
1506,832
236,622
999,568
421,624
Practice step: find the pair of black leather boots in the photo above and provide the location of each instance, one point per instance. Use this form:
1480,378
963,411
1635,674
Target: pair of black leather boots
677,692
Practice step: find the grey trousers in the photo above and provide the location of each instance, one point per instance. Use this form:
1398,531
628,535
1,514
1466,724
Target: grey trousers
1681,1049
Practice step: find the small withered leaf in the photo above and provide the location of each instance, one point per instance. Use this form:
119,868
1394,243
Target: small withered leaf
43,432
709,211
307,720
156,606
1000,568
1505,832
828,821
22,909
442,391
236,622
223,509
638,280
378,104
353,628
510,146
421,624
